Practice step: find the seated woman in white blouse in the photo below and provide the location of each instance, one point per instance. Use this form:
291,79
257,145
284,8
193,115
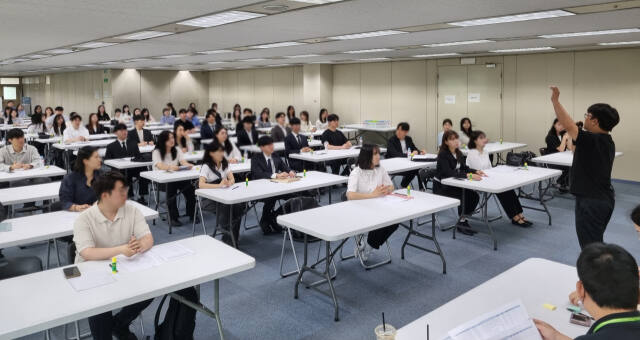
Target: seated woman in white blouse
216,174
167,157
370,180
231,151
477,159
183,141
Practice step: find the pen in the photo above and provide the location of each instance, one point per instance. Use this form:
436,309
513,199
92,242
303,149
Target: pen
234,188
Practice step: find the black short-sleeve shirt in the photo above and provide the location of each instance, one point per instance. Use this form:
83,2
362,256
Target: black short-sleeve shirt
610,327
187,124
553,142
335,138
592,164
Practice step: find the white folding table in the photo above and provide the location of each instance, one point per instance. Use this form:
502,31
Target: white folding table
504,178
263,188
43,171
278,146
27,194
403,164
340,221
534,281
382,131
564,159
50,226
103,151
30,308
497,148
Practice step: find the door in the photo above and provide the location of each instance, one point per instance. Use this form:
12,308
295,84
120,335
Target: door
8,93
452,95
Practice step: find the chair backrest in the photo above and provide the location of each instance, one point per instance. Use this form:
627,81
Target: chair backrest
543,151
297,204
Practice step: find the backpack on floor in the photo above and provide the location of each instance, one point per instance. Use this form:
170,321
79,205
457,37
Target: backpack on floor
179,320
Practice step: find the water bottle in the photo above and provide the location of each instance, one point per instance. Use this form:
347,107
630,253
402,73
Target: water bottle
41,161
245,156
326,146
409,153
360,140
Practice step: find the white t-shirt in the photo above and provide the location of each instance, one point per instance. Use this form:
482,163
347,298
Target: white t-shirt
235,152
70,132
464,139
477,160
403,144
167,160
366,181
321,126
211,176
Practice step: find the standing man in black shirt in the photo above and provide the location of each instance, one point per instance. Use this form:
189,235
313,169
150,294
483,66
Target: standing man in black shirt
399,145
333,139
608,289
590,179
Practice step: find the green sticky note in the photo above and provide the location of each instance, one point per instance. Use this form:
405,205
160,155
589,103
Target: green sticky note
5,226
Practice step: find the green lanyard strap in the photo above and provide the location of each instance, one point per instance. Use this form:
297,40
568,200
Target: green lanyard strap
619,320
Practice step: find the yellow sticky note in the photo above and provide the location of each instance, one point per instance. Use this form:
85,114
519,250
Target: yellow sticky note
549,306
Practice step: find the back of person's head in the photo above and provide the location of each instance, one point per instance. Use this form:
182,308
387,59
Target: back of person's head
84,153
138,117
606,115
403,126
474,137
609,275
36,118
294,121
333,117
208,160
365,158
265,140
14,133
279,115
105,183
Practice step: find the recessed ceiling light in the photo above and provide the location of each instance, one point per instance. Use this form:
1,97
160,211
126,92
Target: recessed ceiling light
620,43
528,49
37,56
11,61
435,55
59,51
171,56
366,35
317,2
280,44
302,56
136,60
456,43
373,59
220,19
252,59
95,44
142,35
369,51
215,52
583,34
512,18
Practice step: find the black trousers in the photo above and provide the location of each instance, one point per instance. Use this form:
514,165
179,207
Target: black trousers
379,236
592,217
510,202
407,178
335,166
102,325
471,198
187,191
143,183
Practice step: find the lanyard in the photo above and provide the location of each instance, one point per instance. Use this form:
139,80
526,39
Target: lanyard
618,320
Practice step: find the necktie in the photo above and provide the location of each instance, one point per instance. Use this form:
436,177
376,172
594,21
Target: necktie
124,146
270,165
299,140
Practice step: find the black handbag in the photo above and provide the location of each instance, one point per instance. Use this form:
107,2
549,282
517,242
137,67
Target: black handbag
519,158
142,157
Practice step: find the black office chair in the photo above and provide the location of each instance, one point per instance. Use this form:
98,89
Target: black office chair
16,266
424,177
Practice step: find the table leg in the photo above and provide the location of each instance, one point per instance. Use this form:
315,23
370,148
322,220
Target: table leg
216,306
431,237
485,219
233,238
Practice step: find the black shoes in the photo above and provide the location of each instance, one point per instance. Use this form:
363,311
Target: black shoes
465,229
124,334
522,223
175,222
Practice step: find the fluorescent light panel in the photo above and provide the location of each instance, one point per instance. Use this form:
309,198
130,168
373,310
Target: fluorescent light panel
59,51
171,56
108,63
512,18
302,56
435,55
366,35
142,35
136,60
220,19
37,56
373,59
620,43
216,62
253,59
457,43
94,44
584,34
280,44
370,50
527,49
215,52
317,2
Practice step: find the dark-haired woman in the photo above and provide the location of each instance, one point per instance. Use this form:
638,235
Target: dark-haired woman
236,117
37,109
291,113
215,173
167,156
172,109
451,163
264,122
465,131
183,141
147,116
94,126
102,114
76,193
37,126
321,123
369,180
478,159
558,140
231,152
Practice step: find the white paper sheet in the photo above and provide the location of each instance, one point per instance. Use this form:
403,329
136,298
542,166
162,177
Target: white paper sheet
91,279
170,252
137,262
450,99
392,199
510,321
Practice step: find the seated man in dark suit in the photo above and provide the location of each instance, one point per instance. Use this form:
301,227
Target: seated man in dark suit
124,147
279,131
209,126
139,134
266,165
295,143
248,135
399,145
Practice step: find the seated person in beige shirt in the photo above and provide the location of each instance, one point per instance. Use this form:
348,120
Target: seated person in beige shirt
110,228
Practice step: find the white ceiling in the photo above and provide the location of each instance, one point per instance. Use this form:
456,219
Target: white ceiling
31,26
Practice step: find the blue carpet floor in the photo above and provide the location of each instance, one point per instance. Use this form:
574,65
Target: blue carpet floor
259,304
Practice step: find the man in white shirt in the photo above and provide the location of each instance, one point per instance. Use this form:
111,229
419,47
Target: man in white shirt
280,131
77,132
107,229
